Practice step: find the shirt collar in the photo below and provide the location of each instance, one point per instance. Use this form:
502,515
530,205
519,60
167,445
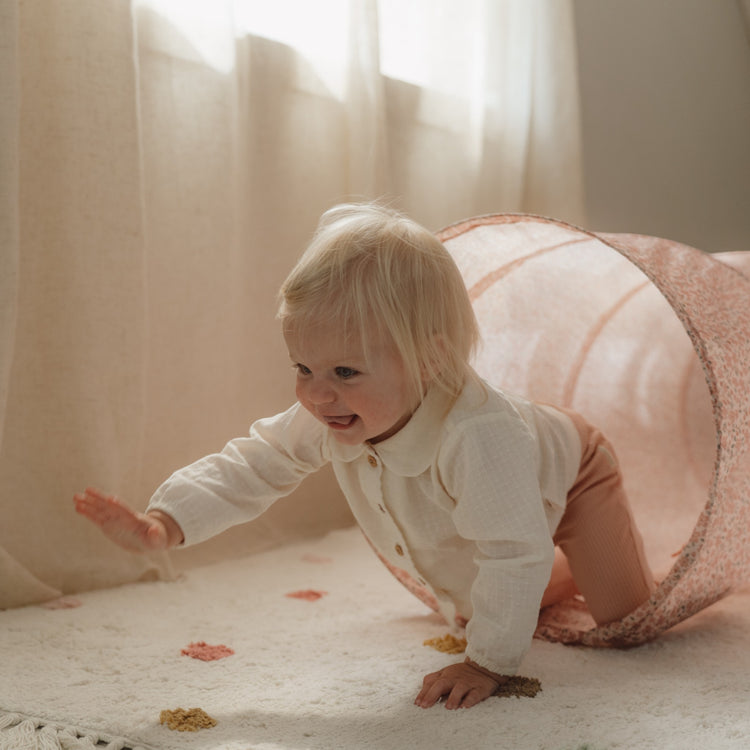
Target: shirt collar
414,447
341,451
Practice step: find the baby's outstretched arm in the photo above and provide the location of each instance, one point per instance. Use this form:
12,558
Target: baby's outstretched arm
137,532
464,684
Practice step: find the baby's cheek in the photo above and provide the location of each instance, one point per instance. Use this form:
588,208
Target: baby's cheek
299,392
308,406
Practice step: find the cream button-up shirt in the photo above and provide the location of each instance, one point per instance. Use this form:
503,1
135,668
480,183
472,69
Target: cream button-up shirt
464,499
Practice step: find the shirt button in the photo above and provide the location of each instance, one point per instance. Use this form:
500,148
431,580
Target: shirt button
399,550
372,460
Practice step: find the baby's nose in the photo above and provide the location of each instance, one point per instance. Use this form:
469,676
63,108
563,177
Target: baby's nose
321,393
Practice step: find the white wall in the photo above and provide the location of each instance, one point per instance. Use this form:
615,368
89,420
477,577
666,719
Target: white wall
665,89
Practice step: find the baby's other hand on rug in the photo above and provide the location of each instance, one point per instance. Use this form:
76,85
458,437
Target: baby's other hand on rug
136,532
465,684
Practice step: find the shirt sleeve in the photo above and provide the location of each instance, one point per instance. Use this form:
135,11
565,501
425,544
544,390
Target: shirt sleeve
490,468
246,477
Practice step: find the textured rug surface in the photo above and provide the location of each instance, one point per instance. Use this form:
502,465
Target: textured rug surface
337,667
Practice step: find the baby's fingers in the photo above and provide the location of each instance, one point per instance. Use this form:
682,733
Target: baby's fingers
463,696
464,684
97,506
131,530
89,506
434,686
95,494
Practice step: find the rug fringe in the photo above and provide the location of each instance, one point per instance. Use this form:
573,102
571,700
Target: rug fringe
19,732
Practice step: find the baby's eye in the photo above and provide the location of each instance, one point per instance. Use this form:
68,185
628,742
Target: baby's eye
346,372
302,369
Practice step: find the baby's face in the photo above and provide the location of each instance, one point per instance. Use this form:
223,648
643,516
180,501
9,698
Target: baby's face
359,399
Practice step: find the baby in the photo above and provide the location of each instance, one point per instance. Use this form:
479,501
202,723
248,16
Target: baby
490,506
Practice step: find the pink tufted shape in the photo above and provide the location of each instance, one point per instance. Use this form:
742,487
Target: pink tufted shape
650,340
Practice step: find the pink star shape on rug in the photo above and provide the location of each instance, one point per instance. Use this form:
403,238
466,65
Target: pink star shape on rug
309,595
203,651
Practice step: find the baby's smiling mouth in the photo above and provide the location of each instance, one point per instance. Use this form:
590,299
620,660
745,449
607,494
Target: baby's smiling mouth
340,422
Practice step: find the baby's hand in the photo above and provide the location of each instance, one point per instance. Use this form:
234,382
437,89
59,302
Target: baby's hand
465,684
134,531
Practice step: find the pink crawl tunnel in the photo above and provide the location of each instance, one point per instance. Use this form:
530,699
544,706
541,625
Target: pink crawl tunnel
650,340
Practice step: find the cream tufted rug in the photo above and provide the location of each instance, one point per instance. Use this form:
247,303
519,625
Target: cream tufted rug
340,672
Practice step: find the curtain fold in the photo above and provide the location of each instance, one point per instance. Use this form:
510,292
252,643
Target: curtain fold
74,349
365,104
9,184
163,164
745,11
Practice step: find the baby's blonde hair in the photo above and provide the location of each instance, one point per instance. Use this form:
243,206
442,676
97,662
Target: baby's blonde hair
379,274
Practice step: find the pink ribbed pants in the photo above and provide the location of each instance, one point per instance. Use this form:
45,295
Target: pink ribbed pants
598,535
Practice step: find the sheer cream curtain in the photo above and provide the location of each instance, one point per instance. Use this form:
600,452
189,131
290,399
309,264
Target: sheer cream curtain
745,10
163,163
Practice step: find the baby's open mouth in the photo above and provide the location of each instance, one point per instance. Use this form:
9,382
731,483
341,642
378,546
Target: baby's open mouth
340,422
